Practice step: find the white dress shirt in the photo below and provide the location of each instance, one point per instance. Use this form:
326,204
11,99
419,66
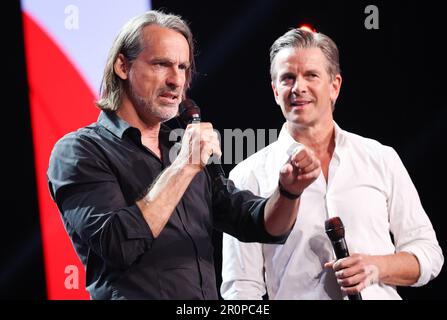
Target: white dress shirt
368,188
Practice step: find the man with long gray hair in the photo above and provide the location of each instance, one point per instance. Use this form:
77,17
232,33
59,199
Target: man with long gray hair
140,224
362,181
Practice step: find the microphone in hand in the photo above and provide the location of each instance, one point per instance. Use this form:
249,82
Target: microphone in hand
189,112
336,233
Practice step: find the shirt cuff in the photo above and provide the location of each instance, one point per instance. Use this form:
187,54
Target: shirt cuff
134,225
267,237
424,265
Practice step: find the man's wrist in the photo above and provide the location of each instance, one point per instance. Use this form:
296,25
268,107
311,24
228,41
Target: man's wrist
183,167
286,193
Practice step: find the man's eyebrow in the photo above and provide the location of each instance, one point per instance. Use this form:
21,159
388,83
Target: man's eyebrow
161,59
312,70
187,64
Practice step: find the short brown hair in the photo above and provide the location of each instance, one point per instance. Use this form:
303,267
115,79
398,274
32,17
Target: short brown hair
298,38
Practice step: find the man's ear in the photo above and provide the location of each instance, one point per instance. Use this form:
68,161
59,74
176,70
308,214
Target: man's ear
275,92
335,88
121,67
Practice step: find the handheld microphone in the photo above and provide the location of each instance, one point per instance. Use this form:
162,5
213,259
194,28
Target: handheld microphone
189,112
336,233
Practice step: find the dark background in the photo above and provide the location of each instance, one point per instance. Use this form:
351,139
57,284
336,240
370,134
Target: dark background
391,92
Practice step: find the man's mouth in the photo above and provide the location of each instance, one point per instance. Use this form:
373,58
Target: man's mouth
169,97
299,103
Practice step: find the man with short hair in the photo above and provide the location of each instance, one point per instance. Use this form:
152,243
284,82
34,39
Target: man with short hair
362,181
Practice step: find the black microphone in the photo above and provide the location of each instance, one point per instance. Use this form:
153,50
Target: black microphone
189,112
336,232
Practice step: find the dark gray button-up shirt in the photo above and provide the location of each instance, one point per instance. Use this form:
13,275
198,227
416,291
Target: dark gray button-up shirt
95,176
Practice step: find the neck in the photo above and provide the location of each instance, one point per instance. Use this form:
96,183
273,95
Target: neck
320,137
149,129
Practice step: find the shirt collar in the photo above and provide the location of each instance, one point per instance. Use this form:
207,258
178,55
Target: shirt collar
289,144
113,123
118,127
340,138
286,142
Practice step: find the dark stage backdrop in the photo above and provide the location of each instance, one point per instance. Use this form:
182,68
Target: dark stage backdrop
393,91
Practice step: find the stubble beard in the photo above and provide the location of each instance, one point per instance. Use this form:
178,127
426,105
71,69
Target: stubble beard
146,108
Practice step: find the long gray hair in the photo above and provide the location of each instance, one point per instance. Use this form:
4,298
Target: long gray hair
129,42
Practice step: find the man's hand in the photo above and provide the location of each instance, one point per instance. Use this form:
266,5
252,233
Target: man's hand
359,271
300,171
199,143
356,272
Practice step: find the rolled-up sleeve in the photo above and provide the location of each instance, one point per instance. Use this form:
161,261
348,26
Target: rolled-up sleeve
92,205
410,225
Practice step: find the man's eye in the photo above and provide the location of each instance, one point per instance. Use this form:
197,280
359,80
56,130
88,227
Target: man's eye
287,79
161,64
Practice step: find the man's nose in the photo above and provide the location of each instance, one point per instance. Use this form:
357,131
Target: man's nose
175,78
300,85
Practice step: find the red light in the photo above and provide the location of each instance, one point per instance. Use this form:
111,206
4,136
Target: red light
307,28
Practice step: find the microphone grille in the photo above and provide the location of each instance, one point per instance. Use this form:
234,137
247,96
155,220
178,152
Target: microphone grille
334,229
189,111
